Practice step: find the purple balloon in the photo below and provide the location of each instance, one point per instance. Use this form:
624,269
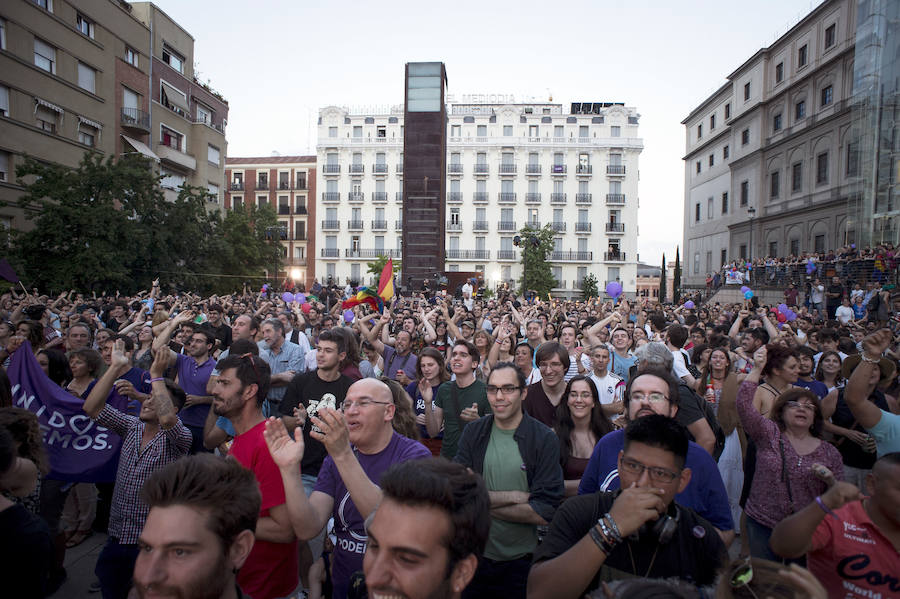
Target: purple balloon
348,315
614,289
783,309
745,289
287,296
689,304
810,267
299,298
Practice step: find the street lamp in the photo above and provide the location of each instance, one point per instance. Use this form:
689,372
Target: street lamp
751,212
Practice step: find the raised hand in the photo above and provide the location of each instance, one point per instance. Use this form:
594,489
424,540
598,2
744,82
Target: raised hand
118,358
634,506
334,434
285,452
875,344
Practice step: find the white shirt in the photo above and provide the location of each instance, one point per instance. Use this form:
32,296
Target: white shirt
844,314
679,367
467,296
611,387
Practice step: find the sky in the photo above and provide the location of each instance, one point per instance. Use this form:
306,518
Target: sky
277,62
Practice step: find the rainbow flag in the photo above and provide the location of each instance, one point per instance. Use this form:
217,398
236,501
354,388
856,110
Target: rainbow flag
365,295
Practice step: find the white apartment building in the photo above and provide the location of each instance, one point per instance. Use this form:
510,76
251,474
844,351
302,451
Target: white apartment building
769,161
508,165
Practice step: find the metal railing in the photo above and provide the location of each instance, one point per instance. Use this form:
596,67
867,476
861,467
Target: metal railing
379,225
506,254
481,169
468,254
507,169
583,198
454,196
480,226
506,225
331,253
532,198
614,256
136,119
379,197
557,198
356,196
357,168
355,225
615,227
615,199
480,197
331,225
507,197
584,169
571,256
331,169
558,226
533,169
237,187
455,168
379,168
558,169
581,227
615,169
452,226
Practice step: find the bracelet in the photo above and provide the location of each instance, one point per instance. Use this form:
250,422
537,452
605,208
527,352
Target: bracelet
825,508
617,535
602,543
866,358
157,379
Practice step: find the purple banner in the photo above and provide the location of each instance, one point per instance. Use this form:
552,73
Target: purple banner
78,448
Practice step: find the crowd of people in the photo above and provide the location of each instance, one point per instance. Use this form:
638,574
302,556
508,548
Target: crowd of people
454,446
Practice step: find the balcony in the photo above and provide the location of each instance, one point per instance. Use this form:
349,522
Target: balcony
454,197
481,169
331,196
532,198
533,169
170,152
237,186
506,225
582,227
300,210
454,227
480,226
399,169
284,185
331,225
357,169
371,253
571,256
614,256
583,199
507,169
295,261
135,118
480,197
534,224
262,185
380,168
355,225
468,254
615,169
584,170
398,197
331,253
507,197
331,169
557,198
379,225
398,225
506,254
455,169
379,197
356,197
615,199
300,184
558,227
615,227
284,209
558,170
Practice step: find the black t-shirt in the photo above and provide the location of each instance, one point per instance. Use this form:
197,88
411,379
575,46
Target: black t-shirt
26,552
223,334
688,407
852,454
834,301
307,388
694,554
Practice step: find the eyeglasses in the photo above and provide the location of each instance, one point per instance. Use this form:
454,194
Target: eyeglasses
657,475
548,365
655,397
803,405
504,390
362,404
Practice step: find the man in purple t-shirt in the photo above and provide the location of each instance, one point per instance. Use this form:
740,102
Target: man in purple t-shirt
361,445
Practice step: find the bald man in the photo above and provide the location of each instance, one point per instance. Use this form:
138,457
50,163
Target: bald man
362,445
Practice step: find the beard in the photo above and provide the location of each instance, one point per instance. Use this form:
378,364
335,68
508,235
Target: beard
210,584
443,591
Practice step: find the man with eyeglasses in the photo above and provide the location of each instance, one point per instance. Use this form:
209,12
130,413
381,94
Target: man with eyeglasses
271,568
519,459
639,531
649,393
362,445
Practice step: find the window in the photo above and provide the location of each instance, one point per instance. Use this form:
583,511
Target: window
87,77
212,154
819,244
204,114
481,131
802,56
712,122
827,95
381,131
697,212
455,131
779,72
746,91
795,247
745,193
2,34
583,131
4,166
507,131
44,56
558,131
87,133
745,137
830,32
822,168
775,184
699,165
800,110
4,100
131,56
173,59
725,202
742,251
852,159
615,131
213,190
773,248
45,4
728,111
725,153
797,177
84,25
170,180
776,122
696,262
357,131
332,132
709,208
712,159
723,257
237,203
46,118
170,138
699,131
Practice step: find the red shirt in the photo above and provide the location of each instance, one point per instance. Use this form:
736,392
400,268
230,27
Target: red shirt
271,569
852,559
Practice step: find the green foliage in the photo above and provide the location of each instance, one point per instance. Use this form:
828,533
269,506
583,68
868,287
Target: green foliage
589,286
106,225
676,277
536,246
662,281
377,265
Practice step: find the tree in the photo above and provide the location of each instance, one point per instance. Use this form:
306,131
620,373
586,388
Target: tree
676,276
536,246
589,286
377,265
662,281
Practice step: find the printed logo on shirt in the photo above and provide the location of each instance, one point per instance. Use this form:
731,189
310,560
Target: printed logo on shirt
326,401
856,533
856,567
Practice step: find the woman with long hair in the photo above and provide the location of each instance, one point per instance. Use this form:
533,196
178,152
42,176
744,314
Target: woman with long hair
55,365
350,365
502,348
430,374
580,423
404,421
442,338
483,341
788,443
142,356
828,370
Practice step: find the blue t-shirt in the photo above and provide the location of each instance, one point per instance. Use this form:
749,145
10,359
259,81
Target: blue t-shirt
705,494
887,433
817,387
620,365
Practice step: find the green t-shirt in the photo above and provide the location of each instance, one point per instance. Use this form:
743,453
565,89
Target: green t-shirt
453,426
503,471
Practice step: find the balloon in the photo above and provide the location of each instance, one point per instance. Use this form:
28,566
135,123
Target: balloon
810,267
306,308
348,315
781,317
744,289
783,308
748,294
614,289
689,305
299,298
287,296
265,287
791,315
